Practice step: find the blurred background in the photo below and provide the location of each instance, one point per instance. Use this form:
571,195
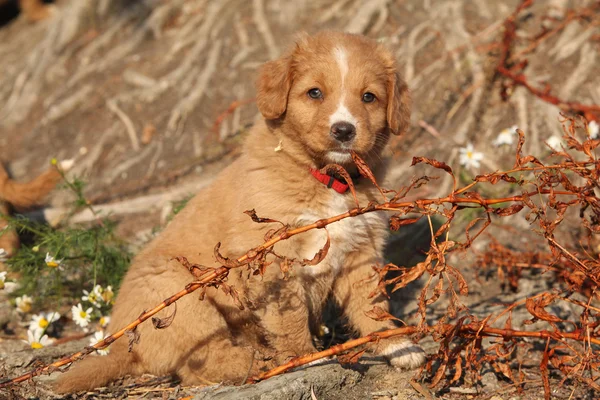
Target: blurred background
146,94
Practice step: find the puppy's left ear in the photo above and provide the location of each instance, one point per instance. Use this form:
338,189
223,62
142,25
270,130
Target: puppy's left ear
399,104
273,86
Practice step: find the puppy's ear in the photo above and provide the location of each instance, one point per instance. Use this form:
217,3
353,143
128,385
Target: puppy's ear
273,86
399,104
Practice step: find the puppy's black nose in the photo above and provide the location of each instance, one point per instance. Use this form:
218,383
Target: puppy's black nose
343,131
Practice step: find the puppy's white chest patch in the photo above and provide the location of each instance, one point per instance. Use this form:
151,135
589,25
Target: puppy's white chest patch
346,236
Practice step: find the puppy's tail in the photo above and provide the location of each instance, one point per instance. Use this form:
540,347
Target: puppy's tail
25,195
92,372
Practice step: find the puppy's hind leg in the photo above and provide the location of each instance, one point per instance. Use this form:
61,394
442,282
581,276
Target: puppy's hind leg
218,361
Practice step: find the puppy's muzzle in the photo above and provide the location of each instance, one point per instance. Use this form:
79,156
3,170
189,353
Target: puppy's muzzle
343,131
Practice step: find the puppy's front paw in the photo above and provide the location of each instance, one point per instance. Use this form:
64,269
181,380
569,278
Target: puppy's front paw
403,354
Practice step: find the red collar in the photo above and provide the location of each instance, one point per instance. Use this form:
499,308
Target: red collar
330,181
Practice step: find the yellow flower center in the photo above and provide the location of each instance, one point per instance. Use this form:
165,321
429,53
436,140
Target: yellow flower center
102,321
36,345
83,314
92,297
107,296
43,323
1,285
469,154
25,307
52,264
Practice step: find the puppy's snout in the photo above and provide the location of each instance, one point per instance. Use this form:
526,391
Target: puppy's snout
343,131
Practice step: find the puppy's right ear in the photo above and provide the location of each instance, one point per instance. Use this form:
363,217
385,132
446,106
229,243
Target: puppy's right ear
399,102
273,86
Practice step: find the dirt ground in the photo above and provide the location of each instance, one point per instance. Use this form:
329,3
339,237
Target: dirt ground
132,92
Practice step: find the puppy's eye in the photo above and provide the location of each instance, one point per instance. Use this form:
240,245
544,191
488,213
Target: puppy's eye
368,97
315,93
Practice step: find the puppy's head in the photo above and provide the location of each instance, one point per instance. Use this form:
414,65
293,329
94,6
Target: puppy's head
333,93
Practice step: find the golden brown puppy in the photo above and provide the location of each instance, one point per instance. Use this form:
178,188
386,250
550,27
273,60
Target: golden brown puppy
330,94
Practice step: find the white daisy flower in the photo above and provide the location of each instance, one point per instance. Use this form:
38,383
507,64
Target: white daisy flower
81,316
108,294
53,262
94,296
104,320
41,321
554,142
593,129
24,304
2,279
98,336
506,136
66,165
469,157
3,255
36,340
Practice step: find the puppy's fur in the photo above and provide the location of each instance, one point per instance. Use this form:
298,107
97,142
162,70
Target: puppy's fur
212,340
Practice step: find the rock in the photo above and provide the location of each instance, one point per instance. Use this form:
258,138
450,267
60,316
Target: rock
489,382
325,381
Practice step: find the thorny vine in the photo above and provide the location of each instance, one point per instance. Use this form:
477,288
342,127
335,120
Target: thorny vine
547,192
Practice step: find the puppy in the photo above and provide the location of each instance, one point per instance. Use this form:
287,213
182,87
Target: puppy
332,93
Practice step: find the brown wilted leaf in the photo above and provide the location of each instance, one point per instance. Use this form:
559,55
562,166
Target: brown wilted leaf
519,151
462,283
256,218
411,274
495,178
271,233
338,169
321,254
435,164
504,212
230,291
396,222
437,292
544,371
475,196
440,372
531,159
161,323
432,162
458,370
196,270
224,260
536,305
133,336
351,358
284,266
504,368
365,171
379,314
